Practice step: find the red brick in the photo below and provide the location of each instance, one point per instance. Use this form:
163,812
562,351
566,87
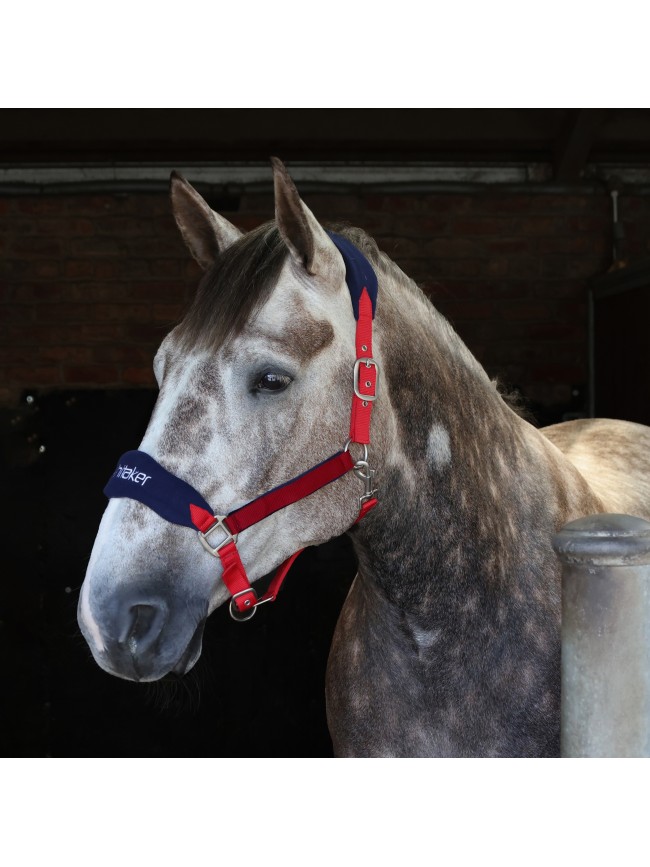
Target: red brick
570,244
451,203
246,222
453,248
38,205
146,248
105,270
96,204
70,354
488,225
90,374
169,313
35,247
561,331
595,224
145,334
122,312
157,290
540,225
16,226
119,226
33,376
79,268
93,332
121,354
564,203
504,246
17,313
167,268
506,203
522,266
65,226
28,334
442,268
562,372
65,312
138,376
525,311
96,246
573,267
46,270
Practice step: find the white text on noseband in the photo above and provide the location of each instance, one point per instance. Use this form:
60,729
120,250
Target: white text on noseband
131,474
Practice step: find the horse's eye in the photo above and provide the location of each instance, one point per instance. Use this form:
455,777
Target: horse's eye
274,382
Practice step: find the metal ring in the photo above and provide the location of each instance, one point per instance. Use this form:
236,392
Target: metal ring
236,614
346,448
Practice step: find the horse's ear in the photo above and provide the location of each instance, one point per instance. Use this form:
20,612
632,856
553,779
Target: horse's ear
205,232
302,233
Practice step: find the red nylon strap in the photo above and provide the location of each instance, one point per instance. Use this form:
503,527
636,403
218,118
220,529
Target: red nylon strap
234,574
366,507
366,380
278,578
302,486
235,578
201,519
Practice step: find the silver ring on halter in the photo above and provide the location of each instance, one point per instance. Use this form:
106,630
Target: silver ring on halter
236,614
364,459
242,617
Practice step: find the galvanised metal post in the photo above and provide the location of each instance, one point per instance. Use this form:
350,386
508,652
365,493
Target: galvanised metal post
605,636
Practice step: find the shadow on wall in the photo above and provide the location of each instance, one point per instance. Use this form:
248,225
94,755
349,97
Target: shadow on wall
258,689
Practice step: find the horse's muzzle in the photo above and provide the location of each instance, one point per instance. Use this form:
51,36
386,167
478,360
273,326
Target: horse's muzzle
145,633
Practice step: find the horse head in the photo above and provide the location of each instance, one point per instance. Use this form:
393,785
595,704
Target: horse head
254,389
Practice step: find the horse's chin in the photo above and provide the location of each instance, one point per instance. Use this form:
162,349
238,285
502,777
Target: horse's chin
189,659
125,667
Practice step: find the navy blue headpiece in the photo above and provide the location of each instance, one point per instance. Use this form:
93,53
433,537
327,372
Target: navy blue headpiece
359,272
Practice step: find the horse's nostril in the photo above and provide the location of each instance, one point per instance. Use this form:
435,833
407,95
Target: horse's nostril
143,624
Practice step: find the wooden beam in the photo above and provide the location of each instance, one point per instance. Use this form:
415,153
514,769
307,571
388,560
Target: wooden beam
576,141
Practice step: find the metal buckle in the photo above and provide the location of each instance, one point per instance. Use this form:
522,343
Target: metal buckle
219,525
369,362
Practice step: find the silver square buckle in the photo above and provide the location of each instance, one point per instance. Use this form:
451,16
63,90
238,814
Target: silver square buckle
218,525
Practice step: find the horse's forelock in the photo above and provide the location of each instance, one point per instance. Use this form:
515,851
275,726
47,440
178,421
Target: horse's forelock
242,280
234,288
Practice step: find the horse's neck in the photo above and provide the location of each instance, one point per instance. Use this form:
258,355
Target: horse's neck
469,492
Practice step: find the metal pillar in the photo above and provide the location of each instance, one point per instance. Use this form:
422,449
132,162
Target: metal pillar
605,636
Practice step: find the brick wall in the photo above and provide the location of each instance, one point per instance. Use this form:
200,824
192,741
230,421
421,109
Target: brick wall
89,284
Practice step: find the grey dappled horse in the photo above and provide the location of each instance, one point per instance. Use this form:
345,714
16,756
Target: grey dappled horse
449,641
